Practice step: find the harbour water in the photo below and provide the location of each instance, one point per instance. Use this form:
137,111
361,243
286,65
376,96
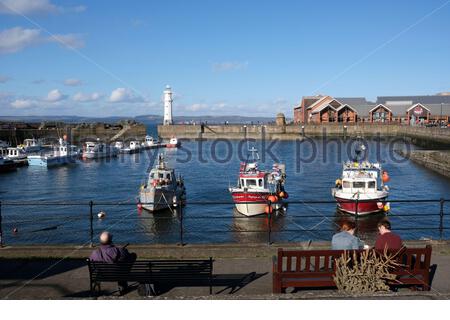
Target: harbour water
207,172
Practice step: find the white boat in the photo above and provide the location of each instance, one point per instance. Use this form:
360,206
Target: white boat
98,150
61,154
119,146
31,145
17,155
255,187
361,189
173,143
149,142
162,189
133,147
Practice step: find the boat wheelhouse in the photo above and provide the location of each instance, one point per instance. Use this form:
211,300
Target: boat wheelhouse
173,143
61,154
17,155
31,145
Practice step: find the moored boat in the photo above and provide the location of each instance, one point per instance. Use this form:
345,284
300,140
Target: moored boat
255,188
31,146
61,154
7,165
173,143
133,147
98,150
17,155
150,142
162,189
361,190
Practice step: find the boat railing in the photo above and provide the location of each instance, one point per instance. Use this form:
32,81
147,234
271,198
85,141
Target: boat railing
303,219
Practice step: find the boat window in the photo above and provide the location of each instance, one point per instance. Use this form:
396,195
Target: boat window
161,175
251,182
371,185
152,175
260,182
346,184
168,176
359,184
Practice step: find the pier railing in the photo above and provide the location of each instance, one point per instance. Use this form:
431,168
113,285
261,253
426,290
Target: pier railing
36,222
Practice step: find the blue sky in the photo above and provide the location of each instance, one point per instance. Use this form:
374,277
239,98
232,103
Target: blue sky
104,58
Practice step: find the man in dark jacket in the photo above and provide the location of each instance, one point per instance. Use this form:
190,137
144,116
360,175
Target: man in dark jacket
386,238
109,253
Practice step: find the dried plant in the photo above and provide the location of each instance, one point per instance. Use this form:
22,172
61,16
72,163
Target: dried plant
365,272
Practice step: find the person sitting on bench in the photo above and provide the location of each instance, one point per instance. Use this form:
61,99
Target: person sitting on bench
387,238
109,253
346,240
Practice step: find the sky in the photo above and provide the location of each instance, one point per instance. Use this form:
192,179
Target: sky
114,58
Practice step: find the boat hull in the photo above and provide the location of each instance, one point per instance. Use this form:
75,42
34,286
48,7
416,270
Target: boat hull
361,207
253,203
153,199
98,155
8,167
50,161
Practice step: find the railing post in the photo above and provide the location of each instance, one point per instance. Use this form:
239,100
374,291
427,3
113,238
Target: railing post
356,215
181,226
441,219
91,219
269,217
1,226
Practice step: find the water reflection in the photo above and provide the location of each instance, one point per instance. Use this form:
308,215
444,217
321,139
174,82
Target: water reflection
162,226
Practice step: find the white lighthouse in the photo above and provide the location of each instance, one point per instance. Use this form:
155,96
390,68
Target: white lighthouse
167,106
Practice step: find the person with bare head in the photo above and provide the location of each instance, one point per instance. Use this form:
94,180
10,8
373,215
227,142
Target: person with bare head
107,252
346,239
386,238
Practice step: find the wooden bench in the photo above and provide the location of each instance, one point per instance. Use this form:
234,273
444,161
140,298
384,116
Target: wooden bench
316,268
152,272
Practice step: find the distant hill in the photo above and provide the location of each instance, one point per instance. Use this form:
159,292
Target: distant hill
147,119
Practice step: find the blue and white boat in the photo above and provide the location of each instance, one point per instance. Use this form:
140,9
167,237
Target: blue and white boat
61,154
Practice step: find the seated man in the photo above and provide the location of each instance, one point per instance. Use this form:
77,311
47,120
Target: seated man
386,238
109,253
346,240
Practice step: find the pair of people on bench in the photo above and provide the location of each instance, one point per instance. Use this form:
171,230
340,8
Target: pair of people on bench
346,239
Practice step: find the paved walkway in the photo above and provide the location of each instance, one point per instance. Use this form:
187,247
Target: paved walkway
235,278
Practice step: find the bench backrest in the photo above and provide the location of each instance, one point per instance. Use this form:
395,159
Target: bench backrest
150,270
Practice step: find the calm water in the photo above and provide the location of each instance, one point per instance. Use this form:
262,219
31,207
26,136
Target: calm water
207,176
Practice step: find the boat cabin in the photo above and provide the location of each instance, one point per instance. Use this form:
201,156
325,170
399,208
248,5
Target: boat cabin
360,185
12,153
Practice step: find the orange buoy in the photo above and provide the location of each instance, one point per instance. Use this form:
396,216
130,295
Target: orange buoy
385,177
272,198
268,209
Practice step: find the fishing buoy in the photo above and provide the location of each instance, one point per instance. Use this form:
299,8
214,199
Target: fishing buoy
101,214
268,209
385,177
154,183
139,207
338,182
387,207
272,198
15,230
380,205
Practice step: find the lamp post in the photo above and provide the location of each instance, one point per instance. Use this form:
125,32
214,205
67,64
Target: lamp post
440,118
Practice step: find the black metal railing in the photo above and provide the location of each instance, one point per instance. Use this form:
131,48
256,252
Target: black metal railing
437,216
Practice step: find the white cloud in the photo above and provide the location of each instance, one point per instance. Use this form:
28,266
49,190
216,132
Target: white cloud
229,66
4,79
15,39
73,82
30,7
123,95
82,97
27,6
23,103
197,107
55,96
18,38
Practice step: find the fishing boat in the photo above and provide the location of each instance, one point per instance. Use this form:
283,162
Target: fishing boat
133,147
7,165
98,150
163,189
256,188
361,189
150,142
17,155
61,154
173,143
31,145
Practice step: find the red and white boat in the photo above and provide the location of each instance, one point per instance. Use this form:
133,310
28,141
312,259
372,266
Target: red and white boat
173,143
361,190
255,188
